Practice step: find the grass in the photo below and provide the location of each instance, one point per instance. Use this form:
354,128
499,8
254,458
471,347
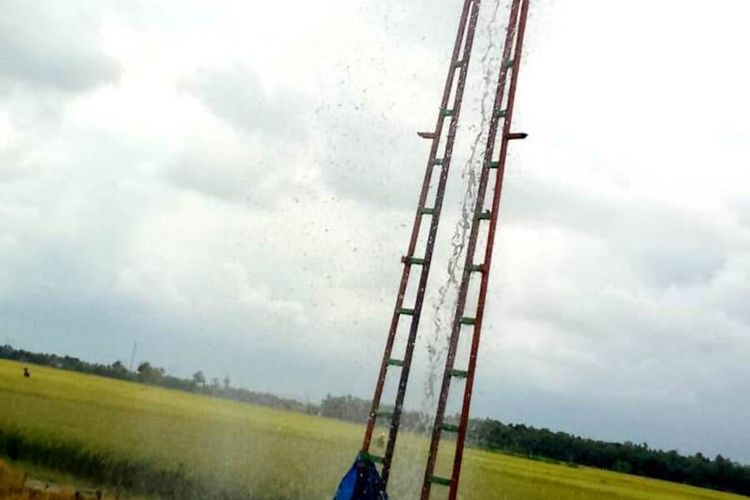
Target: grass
184,445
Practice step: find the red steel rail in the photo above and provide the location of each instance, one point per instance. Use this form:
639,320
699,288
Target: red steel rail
458,67
510,64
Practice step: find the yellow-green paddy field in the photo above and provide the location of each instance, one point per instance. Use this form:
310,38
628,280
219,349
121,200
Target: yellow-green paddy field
202,447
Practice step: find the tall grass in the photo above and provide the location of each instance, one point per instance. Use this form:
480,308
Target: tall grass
134,475
178,445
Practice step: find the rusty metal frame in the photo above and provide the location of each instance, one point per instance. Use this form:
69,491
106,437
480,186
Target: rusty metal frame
513,45
459,64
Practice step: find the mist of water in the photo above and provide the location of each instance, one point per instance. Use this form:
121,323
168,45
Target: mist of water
444,304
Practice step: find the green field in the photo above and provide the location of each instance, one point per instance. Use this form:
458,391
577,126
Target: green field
267,453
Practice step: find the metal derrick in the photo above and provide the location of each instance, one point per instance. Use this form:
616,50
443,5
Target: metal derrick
486,211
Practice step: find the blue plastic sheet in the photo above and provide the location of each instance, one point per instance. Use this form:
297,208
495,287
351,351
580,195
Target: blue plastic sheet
362,482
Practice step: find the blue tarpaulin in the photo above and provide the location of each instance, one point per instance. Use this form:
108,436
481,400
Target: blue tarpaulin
362,482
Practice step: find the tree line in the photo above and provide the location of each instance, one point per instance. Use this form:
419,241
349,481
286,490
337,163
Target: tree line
719,473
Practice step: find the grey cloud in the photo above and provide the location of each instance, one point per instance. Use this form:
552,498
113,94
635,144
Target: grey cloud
407,20
535,198
227,168
12,165
666,243
238,96
54,45
251,155
674,245
221,178
365,157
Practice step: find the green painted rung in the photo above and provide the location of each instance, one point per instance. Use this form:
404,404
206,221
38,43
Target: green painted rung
459,373
407,312
467,321
484,215
450,428
500,113
477,268
493,164
427,211
437,161
509,63
395,362
371,457
414,260
384,414
440,480
447,112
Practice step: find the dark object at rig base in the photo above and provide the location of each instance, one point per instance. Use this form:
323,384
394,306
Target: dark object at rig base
362,482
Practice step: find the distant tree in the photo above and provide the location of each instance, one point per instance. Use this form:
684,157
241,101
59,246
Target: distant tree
622,466
119,370
149,374
199,380
345,408
227,382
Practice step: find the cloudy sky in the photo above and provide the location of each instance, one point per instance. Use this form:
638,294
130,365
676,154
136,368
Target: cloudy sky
231,185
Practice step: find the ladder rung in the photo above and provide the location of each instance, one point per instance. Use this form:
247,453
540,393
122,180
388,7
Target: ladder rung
427,211
517,135
440,480
437,161
484,215
412,260
371,457
384,414
493,164
467,321
394,362
426,135
459,373
477,268
508,63
405,311
447,112
450,428
500,113
459,63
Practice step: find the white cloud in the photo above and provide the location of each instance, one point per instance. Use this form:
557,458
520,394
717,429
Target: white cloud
52,45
